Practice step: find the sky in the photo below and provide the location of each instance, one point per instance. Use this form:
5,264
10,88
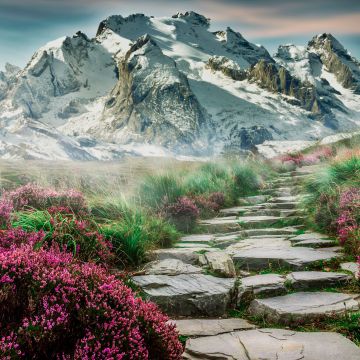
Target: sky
25,25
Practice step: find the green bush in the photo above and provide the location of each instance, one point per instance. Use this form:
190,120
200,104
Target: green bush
157,190
246,180
136,234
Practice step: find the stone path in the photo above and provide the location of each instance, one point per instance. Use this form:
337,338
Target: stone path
251,258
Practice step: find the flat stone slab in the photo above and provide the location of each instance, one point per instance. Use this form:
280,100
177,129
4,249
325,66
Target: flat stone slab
188,245
221,224
270,231
258,220
306,280
254,200
272,344
314,243
303,307
351,267
297,258
202,239
186,255
188,294
170,267
266,285
283,205
236,210
209,327
309,236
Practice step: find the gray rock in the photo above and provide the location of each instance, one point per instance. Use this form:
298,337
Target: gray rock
262,256
188,295
221,224
303,307
198,239
188,256
258,221
221,263
170,267
351,267
309,236
306,280
209,327
254,200
314,243
272,344
260,286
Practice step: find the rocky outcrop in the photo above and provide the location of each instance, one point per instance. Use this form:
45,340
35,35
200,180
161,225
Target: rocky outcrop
193,18
228,67
153,99
337,60
236,44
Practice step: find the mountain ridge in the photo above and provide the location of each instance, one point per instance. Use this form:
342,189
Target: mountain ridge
173,86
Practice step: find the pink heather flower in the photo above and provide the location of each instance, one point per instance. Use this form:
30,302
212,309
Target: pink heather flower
65,309
33,196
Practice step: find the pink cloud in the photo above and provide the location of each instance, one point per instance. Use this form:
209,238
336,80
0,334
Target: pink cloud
271,21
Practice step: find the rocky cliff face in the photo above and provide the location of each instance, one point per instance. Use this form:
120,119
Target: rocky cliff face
337,60
153,99
172,86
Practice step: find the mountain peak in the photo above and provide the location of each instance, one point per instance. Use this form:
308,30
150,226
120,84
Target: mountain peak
115,22
326,41
193,18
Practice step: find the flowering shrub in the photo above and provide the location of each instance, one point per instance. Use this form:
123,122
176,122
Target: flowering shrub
17,236
79,236
5,213
33,196
183,213
52,306
314,157
348,227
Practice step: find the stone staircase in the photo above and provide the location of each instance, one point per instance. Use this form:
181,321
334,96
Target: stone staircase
253,258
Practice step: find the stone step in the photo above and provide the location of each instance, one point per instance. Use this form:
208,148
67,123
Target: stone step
316,243
188,294
267,285
271,344
308,235
258,221
286,231
309,280
210,327
285,199
253,200
283,205
303,307
188,256
260,257
170,267
198,238
234,211
270,285
221,224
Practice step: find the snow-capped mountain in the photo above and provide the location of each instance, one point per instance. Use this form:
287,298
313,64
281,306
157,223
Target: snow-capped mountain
170,85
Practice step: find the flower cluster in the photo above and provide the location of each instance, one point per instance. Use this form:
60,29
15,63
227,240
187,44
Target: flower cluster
5,213
183,213
53,306
209,204
348,228
183,207
314,157
35,197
